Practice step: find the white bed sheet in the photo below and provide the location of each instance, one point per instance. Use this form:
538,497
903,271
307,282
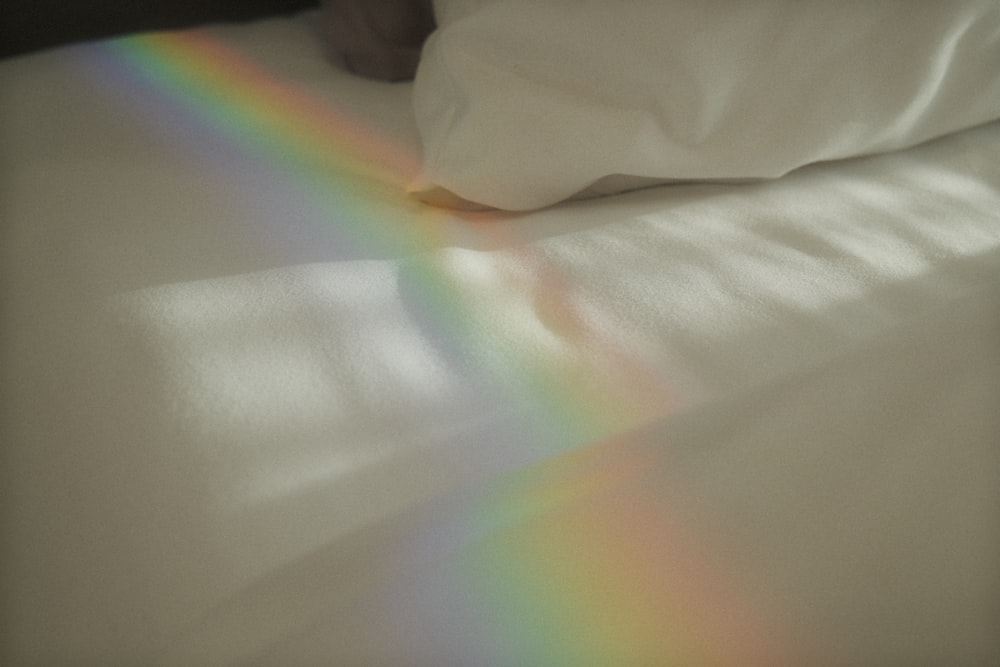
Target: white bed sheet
259,407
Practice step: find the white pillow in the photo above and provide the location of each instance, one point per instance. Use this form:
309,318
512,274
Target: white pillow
523,103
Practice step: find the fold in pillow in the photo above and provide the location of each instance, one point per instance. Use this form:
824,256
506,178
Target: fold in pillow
524,103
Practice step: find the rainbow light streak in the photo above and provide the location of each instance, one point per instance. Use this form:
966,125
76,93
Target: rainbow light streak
306,141
577,560
586,563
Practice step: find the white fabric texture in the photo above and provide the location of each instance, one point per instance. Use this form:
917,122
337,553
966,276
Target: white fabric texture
524,103
252,392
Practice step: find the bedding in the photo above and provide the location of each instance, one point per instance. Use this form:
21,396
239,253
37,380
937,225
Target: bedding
262,407
522,104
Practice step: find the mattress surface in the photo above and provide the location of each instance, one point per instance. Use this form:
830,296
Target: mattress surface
261,407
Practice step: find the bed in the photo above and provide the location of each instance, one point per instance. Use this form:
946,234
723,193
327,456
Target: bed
262,404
